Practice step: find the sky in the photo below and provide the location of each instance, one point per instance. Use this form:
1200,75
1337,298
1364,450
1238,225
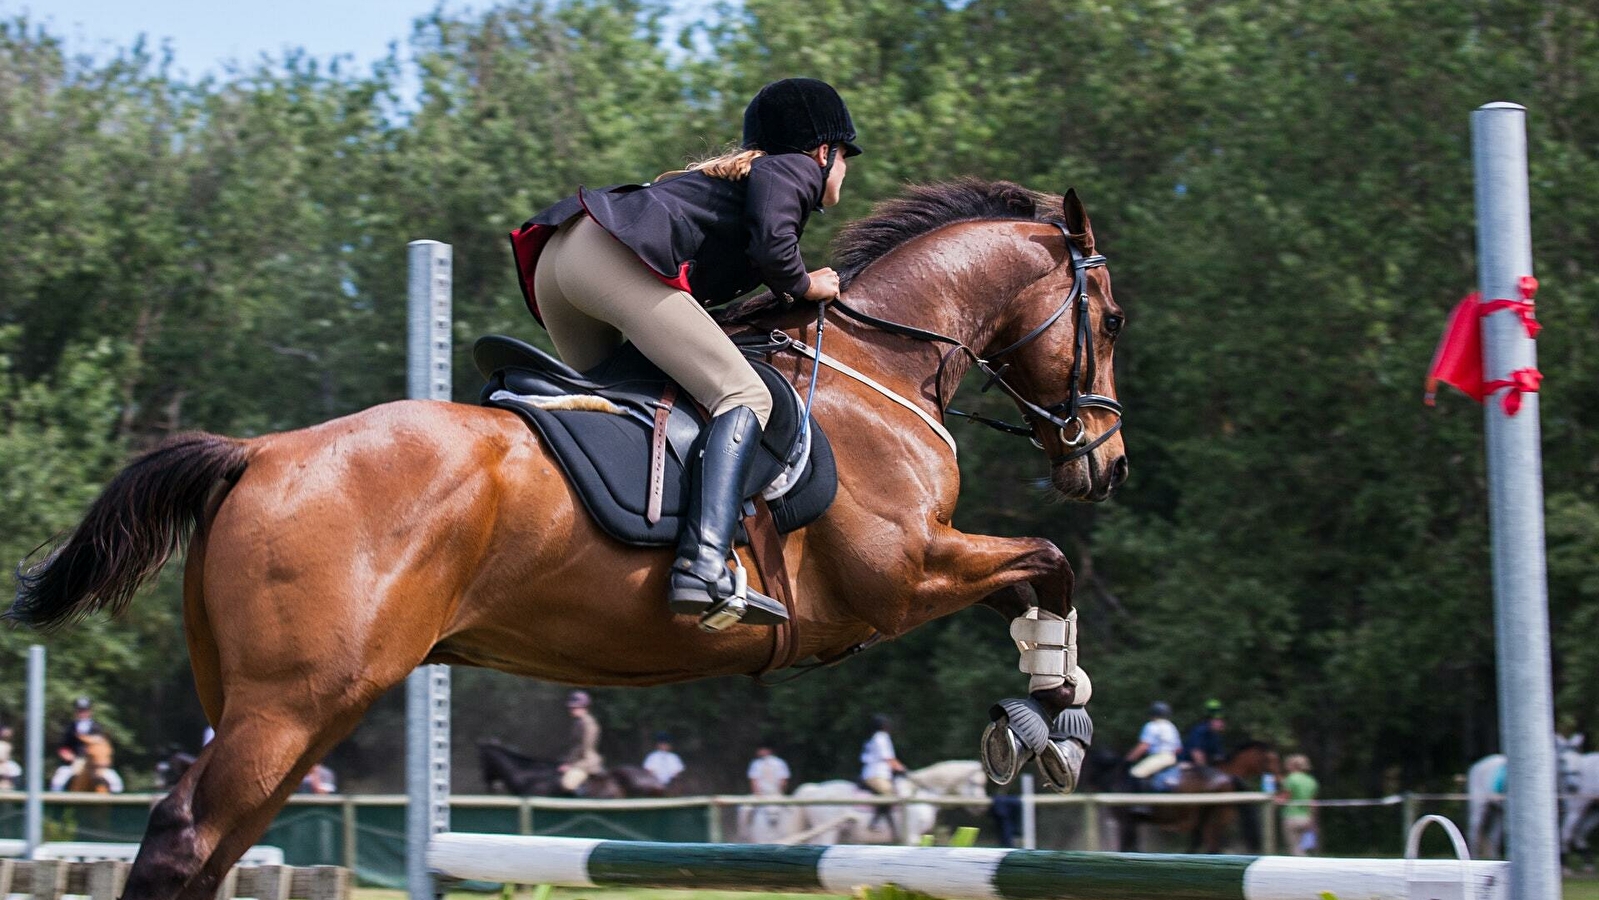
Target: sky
205,34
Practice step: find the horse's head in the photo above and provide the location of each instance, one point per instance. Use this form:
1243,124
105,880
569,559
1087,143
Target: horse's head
1060,351
97,749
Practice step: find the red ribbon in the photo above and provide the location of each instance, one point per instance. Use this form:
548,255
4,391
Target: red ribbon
1521,381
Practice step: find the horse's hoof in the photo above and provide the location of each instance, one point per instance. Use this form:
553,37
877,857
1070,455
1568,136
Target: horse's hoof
1061,764
1002,752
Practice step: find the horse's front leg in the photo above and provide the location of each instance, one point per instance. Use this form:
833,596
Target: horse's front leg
1029,581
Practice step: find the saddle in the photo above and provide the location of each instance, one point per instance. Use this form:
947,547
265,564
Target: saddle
622,433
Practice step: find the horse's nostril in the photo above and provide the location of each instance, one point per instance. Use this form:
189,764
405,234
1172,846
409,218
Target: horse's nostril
1118,470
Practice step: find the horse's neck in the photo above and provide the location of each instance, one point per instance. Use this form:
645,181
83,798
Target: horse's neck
945,287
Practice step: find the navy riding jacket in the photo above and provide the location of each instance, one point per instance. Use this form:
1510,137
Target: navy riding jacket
712,237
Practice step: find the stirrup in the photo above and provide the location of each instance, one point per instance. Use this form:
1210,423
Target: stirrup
745,605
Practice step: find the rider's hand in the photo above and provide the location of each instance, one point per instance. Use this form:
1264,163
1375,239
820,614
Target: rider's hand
824,286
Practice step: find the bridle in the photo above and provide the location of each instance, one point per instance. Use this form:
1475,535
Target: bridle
1065,416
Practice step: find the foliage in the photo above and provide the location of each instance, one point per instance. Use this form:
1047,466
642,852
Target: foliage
1284,193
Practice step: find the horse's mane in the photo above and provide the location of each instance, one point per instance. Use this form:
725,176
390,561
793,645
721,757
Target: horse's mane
921,209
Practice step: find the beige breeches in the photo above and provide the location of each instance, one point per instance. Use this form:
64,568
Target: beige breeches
594,293
1153,763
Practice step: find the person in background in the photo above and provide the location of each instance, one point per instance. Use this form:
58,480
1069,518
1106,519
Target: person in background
319,780
82,723
583,759
65,769
1204,743
663,763
1158,743
10,771
1299,788
879,762
768,773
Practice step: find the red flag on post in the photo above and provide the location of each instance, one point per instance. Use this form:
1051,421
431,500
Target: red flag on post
1458,359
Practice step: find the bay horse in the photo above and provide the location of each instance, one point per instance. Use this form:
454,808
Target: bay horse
91,766
529,776
1206,825
325,564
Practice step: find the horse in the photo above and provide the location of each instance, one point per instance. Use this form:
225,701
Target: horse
324,564
1206,825
1582,810
170,768
1485,825
91,771
528,776
848,823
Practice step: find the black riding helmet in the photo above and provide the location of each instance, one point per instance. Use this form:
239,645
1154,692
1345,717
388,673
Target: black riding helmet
796,115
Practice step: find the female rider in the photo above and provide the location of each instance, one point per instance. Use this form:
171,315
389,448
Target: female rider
641,262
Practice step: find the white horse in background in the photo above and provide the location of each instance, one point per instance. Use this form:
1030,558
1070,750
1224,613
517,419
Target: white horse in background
1582,810
1485,808
853,823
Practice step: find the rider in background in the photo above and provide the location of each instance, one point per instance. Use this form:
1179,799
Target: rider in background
1158,743
879,764
662,762
640,263
82,724
583,759
1204,745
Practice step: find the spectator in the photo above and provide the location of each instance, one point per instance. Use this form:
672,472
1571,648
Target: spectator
10,772
82,723
1299,816
768,773
879,764
583,759
1204,745
663,763
1158,743
319,780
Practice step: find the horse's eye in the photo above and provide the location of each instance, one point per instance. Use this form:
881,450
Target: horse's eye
1113,325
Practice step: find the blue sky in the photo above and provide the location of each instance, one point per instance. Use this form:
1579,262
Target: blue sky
204,34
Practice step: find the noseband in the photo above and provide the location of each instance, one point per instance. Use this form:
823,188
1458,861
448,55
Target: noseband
1064,416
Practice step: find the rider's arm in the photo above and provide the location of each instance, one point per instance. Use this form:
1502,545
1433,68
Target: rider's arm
781,193
1137,753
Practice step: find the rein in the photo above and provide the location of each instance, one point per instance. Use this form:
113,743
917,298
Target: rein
1072,430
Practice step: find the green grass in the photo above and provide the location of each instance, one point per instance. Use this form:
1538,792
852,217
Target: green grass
1583,888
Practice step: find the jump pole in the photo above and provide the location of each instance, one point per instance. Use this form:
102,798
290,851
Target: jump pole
1515,507
427,690
33,778
956,873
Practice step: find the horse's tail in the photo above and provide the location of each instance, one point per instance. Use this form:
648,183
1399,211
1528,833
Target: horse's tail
129,532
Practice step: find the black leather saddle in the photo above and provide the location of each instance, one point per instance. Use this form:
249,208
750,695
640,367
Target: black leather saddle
601,424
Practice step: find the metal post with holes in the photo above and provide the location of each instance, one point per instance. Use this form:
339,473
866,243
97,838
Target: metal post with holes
33,808
427,690
1515,507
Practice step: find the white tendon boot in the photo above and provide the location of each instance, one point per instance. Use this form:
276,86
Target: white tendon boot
1022,729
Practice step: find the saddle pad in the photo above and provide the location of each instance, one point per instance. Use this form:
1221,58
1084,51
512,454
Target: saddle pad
605,455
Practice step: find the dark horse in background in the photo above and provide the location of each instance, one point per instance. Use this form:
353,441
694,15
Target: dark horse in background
1207,826
325,564
529,776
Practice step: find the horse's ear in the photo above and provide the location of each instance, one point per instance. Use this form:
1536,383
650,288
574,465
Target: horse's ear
1076,219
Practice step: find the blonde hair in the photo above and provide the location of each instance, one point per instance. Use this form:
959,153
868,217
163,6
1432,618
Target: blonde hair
1298,762
733,165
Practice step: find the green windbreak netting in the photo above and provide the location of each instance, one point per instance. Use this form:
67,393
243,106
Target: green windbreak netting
367,837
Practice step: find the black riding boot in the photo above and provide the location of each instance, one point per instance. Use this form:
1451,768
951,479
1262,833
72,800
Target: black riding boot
701,581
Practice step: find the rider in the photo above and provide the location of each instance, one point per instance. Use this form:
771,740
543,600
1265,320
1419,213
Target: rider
640,263
663,762
82,724
1158,743
1203,746
880,765
583,759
